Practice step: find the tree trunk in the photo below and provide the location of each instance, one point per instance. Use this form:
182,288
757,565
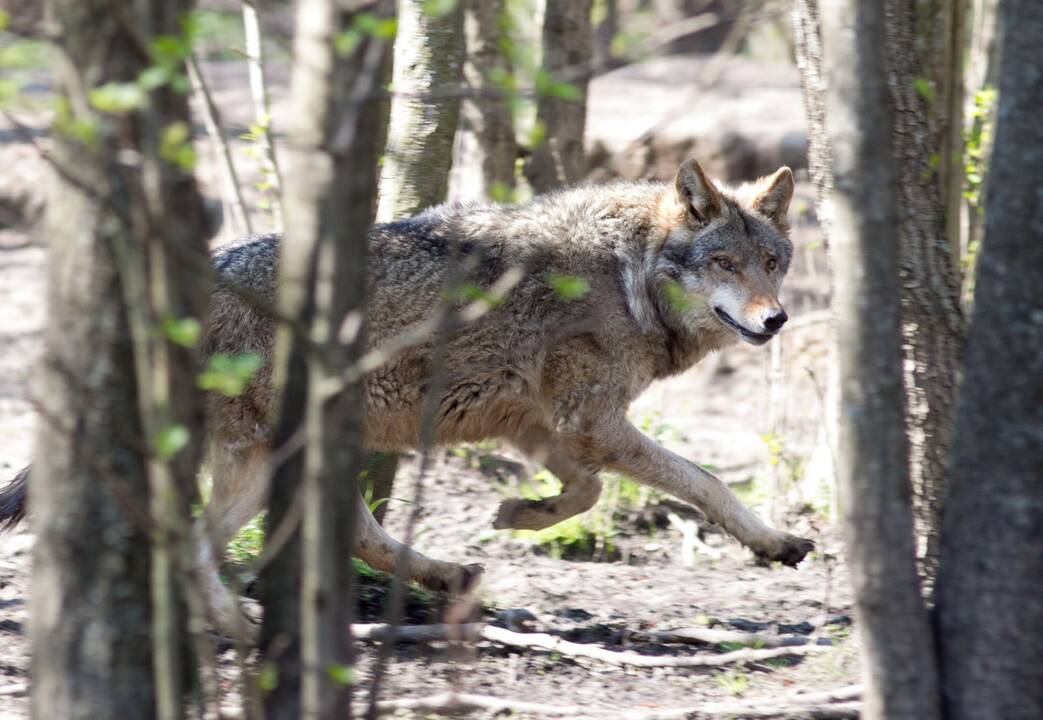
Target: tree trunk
91,613
901,679
486,150
990,585
428,70
429,57
125,239
329,203
932,321
562,109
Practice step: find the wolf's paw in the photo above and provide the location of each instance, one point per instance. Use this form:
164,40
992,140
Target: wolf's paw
511,514
789,551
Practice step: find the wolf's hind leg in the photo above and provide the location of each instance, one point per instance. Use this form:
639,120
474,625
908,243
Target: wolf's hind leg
580,487
381,551
239,492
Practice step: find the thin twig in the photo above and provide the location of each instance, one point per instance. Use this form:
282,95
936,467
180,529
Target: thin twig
262,109
241,224
834,704
552,643
712,636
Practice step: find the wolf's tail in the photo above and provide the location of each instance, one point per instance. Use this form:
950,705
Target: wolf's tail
12,500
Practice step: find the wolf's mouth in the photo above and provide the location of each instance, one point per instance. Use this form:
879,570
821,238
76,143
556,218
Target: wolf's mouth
748,335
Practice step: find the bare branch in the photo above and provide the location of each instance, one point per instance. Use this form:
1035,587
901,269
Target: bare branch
793,708
234,193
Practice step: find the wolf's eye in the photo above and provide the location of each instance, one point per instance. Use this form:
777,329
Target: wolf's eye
725,264
772,264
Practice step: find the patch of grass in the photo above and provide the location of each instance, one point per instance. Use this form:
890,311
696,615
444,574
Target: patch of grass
735,682
247,543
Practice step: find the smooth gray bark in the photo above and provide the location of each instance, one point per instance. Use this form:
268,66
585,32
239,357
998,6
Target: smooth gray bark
567,51
900,674
990,586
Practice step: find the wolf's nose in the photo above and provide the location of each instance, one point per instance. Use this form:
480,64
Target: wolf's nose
774,322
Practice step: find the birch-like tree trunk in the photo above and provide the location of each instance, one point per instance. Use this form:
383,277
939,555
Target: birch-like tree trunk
559,159
127,238
429,58
990,585
486,149
900,673
329,199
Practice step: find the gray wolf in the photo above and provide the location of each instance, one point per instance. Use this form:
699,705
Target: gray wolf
672,272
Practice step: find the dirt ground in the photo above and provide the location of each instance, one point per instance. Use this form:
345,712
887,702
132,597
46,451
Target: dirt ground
754,418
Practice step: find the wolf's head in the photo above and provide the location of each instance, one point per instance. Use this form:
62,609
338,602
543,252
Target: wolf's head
724,254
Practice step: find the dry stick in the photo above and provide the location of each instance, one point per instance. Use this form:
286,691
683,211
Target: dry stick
262,110
233,192
834,704
753,709
711,636
551,643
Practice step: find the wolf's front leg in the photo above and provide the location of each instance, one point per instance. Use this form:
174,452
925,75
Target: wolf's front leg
628,451
580,486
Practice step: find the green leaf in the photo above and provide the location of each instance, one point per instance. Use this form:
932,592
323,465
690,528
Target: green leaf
230,374
549,87
170,440
86,131
470,292
343,675
5,20
437,8
175,146
568,287
924,88
117,98
153,77
377,27
345,43
182,331
169,50
677,297
537,135
501,193
268,678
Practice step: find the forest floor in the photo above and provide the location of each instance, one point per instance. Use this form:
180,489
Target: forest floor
608,580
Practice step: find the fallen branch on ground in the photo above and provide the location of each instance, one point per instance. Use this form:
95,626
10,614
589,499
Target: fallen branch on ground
19,688
813,706
550,643
711,636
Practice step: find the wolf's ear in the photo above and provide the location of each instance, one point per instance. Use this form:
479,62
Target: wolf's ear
774,195
697,193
